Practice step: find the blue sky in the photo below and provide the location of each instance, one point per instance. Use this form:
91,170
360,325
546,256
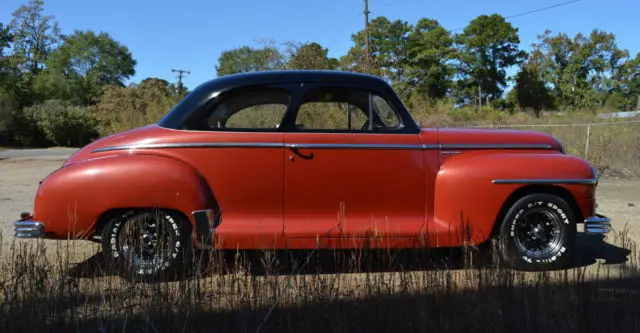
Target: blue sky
164,34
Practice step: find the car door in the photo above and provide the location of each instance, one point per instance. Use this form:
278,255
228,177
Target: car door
346,179
243,162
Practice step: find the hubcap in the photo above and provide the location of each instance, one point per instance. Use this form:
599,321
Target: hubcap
538,233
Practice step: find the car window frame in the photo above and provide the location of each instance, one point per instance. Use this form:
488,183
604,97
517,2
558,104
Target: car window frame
407,124
221,96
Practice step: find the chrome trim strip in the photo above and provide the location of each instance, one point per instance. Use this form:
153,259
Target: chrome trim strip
357,146
546,181
28,229
496,146
193,145
597,224
321,146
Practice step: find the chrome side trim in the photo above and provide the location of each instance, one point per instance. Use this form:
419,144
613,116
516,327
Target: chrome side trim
358,146
193,145
29,229
597,224
496,146
546,181
321,146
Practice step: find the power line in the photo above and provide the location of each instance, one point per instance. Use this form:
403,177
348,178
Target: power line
543,8
534,11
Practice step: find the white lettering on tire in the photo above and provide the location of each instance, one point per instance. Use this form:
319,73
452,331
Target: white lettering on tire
515,219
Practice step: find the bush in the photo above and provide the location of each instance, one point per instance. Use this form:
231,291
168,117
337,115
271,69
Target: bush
63,124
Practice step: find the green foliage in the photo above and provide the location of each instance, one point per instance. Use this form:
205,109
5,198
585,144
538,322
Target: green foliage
311,56
121,108
530,91
487,47
248,59
585,70
83,64
63,124
35,34
430,53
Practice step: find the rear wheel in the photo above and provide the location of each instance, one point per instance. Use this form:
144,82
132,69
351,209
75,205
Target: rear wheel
148,244
538,233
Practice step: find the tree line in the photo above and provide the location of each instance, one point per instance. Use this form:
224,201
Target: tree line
69,89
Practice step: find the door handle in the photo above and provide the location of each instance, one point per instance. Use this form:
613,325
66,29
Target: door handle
296,151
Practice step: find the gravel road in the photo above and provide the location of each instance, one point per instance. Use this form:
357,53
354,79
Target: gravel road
20,172
37,153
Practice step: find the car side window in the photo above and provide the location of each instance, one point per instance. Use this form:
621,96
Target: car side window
254,109
344,109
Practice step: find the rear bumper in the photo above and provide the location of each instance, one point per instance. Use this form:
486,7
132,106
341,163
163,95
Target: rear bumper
29,229
26,227
598,225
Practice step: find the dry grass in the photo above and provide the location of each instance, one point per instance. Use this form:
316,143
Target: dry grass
381,291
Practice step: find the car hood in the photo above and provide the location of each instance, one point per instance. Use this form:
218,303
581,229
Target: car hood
459,138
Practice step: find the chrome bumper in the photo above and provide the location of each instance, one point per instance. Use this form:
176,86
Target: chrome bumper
598,224
26,227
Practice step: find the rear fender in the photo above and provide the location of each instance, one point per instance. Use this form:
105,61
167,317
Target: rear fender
71,200
470,195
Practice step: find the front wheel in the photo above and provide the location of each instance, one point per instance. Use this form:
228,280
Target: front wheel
148,244
538,233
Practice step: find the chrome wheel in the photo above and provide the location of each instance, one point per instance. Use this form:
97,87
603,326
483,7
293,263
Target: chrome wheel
148,244
148,241
538,233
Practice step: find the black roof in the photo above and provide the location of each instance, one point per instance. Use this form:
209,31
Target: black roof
284,76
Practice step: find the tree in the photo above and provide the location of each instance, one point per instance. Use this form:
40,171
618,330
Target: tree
310,56
5,64
487,47
387,46
628,84
35,34
88,61
5,39
530,91
584,71
428,67
249,59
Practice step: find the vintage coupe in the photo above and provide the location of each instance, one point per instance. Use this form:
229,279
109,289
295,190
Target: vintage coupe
307,159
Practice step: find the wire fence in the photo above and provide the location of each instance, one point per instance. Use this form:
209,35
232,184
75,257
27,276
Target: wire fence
614,144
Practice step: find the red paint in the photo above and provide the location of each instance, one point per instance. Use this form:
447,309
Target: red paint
273,198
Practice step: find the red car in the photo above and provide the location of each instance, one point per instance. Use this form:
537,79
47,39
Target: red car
306,159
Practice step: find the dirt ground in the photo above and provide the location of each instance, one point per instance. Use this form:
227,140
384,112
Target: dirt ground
618,199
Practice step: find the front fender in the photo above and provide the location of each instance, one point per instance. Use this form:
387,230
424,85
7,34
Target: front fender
467,202
71,200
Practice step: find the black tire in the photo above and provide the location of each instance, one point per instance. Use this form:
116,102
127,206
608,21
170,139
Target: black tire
151,261
538,233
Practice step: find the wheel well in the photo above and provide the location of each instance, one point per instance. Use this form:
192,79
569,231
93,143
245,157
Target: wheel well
108,215
531,189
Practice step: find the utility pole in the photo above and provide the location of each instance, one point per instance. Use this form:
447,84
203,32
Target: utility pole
181,73
366,33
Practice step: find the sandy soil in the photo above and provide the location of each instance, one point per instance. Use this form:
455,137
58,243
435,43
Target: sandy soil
619,199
